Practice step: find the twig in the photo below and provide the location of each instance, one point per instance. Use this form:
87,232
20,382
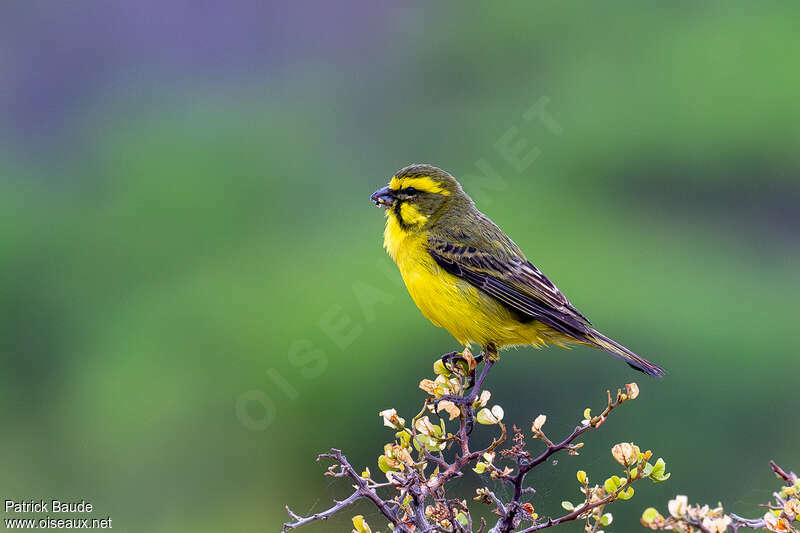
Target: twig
501,508
751,523
363,490
574,515
324,515
454,469
790,478
506,523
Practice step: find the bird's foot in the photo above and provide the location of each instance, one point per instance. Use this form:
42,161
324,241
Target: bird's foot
466,402
450,360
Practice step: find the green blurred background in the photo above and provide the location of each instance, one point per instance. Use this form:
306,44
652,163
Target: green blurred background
194,297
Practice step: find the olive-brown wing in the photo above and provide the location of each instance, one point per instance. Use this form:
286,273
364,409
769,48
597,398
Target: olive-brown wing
513,281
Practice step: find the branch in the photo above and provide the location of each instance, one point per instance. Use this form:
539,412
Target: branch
789,478
423,457
506,524
574,515
466,416
782,511
363,490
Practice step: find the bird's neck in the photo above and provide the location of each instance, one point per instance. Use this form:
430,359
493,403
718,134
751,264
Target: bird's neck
400,238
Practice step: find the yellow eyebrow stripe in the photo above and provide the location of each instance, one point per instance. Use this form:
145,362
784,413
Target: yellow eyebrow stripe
423,183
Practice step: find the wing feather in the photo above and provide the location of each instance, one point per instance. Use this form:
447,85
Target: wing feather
512,280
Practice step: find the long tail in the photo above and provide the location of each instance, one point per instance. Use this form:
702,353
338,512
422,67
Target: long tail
598,340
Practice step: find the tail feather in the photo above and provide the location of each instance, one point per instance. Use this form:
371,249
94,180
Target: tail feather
617,350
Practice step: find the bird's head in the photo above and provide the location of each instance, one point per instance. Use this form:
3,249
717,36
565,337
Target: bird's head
418,195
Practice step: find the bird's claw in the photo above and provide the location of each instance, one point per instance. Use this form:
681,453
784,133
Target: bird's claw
452,358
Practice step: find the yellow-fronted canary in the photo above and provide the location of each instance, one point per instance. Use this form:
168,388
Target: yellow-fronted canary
469,277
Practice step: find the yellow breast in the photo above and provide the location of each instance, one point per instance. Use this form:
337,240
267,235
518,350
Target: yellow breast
449,302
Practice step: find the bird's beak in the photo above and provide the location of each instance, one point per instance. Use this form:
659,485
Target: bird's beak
383,197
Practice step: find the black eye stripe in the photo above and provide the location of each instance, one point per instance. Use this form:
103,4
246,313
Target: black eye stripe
410,191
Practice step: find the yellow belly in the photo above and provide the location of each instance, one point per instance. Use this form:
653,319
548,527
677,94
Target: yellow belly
453,304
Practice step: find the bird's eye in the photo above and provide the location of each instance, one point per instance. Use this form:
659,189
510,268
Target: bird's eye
411,191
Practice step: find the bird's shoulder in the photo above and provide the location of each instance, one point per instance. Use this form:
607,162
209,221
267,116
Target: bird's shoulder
474,234
474,241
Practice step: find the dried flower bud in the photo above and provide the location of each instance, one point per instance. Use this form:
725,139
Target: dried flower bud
528,508
792,508
482,400
697,513
778,524
626,453
632,389
677,507
428,386
391,420
489,417
470,359
450,408
716,525
540,420
425,427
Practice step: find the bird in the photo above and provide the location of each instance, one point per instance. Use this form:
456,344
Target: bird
468,277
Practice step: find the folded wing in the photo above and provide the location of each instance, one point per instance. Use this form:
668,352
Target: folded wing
507,276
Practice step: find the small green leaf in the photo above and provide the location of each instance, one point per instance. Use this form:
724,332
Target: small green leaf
567,505
487,417
462,519
440,368
480,468
650,514
626,494
383,464
606,519
612,484
405,437
360,525
659,471
647,470
582,479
